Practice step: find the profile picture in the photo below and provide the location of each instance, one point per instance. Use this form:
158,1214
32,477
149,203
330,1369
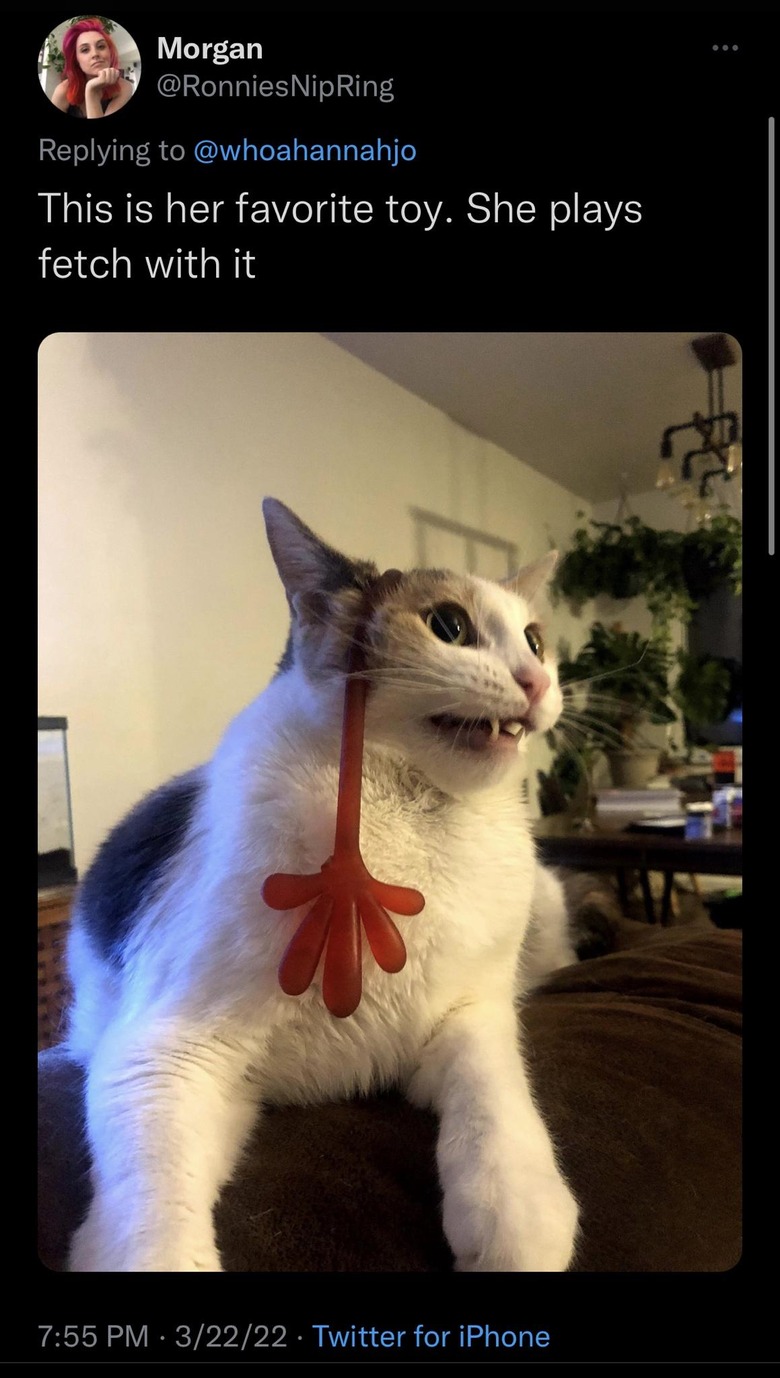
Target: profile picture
89,67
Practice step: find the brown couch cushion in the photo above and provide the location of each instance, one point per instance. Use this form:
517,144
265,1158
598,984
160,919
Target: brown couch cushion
635,1058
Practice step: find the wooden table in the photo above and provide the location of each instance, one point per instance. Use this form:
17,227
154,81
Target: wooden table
559,844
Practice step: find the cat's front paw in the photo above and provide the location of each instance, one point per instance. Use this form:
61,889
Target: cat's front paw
524,1225
97,1248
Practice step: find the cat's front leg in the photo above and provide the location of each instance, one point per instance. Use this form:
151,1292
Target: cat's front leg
506,1207
168,1112
547,945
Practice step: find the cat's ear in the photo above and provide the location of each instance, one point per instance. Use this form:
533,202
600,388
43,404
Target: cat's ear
528,581
306,564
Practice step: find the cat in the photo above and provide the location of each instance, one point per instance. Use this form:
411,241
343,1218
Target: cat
178,1015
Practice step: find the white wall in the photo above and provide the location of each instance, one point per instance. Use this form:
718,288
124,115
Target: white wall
161,612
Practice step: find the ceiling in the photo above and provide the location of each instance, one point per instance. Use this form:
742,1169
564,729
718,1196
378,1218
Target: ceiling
587,410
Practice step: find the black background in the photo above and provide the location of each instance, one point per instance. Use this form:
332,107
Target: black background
533,106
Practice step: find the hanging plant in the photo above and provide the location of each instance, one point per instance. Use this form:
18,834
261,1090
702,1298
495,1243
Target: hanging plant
673,571
712,556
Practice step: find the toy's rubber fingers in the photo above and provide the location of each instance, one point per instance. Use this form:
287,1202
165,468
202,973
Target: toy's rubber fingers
384,939
287,892
342,978
300,961
398,897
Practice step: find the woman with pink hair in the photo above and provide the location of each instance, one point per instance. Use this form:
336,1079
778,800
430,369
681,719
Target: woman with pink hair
93,84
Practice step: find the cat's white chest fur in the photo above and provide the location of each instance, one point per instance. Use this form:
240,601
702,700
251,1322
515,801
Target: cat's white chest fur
472,860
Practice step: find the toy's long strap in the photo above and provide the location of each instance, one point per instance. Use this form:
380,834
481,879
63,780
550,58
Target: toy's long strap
344,892
351,763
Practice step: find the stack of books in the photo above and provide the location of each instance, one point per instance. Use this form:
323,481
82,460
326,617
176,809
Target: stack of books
619,808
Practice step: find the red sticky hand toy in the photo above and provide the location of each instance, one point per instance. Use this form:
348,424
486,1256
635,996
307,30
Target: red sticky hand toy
344,892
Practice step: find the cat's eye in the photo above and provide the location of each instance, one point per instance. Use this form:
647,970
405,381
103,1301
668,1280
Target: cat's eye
450,623
533,635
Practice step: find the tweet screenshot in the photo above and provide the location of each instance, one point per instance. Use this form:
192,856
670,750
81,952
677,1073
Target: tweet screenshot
401,388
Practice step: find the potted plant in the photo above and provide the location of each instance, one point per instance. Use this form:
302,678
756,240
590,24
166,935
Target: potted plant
625,683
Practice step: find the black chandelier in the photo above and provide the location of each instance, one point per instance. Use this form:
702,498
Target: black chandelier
718,453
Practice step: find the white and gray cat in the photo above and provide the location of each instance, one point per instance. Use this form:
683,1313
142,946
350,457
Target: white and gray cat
178,1014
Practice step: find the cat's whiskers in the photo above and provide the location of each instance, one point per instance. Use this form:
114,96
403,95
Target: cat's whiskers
414,673
611,701
618,670
595,727
574,742
574,747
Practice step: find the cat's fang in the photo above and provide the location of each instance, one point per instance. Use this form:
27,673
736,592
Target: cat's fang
495,728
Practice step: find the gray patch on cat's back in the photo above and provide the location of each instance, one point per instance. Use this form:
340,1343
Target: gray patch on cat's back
130,866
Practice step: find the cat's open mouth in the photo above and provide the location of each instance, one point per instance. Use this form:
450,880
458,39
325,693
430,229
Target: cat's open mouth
480,734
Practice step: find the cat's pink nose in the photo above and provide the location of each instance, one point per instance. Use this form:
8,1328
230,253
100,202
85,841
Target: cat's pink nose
534,681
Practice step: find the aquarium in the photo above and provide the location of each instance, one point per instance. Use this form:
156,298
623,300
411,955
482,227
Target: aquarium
55,824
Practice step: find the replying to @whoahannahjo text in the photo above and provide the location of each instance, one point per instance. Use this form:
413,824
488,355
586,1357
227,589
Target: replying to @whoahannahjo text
97,215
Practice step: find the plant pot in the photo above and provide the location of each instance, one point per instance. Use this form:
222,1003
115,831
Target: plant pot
633,769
